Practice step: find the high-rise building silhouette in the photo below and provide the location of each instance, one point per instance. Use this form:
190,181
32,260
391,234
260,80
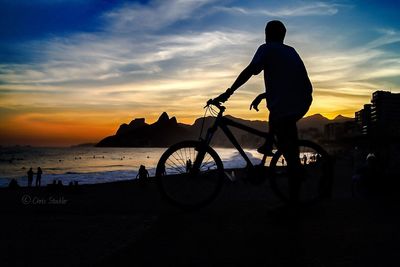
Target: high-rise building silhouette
385,114
381,119
363,119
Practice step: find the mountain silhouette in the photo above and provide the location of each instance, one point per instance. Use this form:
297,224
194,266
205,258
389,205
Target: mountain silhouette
167,131
340,118
316,121
164,132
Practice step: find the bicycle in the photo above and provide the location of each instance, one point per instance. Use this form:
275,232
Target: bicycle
190,173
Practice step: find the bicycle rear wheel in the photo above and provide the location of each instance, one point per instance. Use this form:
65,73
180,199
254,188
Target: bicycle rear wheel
316,174
183,181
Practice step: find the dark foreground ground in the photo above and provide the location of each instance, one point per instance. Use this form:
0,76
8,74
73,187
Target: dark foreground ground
124,224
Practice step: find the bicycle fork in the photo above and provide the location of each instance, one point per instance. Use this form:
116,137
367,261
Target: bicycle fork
202,148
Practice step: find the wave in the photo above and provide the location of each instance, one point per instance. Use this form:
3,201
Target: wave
108,170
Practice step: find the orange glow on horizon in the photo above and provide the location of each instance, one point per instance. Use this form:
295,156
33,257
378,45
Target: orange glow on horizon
23,130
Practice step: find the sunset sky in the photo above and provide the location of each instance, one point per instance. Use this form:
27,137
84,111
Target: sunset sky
72,71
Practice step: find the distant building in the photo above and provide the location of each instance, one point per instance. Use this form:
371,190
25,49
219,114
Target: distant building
385,114
382,117
363,119
380,124
340,130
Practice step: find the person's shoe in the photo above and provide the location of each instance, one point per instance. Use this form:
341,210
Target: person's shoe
266,149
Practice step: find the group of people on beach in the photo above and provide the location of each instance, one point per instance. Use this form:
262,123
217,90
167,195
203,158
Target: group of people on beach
38,173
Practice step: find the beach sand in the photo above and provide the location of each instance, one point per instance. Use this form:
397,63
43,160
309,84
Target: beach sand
123,223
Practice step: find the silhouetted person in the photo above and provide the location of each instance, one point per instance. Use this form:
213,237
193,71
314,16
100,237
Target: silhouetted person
304,159
13,184
143,174
288,92
38,177
30,177
163,171
366,176
188,165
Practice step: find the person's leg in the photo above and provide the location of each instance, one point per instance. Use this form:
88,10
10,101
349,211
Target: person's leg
285,131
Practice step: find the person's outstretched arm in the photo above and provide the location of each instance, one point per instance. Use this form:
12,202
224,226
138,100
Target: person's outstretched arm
243,77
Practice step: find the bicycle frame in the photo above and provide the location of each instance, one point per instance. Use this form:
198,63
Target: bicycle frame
223,123
316,175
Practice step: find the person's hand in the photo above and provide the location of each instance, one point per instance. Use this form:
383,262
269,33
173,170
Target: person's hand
224,96
256,102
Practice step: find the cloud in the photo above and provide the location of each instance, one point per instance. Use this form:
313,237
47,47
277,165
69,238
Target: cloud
158,14
367,62
105,58
45,2
387,36
138,64
306,9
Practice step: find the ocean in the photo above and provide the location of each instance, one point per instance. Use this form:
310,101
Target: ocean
91,165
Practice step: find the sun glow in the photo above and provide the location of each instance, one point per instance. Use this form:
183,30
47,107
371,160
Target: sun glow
64,86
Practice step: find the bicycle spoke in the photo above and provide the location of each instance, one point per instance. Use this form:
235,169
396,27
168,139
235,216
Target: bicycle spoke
207,162
314,174
181,157
194,154
174,166
177,166
186,157
177,160
189,188
209,157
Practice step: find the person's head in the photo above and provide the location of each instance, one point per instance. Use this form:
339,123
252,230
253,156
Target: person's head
275,31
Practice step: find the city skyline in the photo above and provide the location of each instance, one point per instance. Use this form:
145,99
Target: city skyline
72,71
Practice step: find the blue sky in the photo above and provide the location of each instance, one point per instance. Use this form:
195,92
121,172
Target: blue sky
103,62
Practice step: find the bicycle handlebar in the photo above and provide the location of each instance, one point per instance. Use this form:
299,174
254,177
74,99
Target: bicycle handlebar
215,103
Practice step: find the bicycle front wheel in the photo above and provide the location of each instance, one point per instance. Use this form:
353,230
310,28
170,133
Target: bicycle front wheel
314,177
188,183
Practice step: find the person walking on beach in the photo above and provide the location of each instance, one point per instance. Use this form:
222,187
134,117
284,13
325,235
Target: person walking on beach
38,177
304,159
288,92
188,165
143,174
30,177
